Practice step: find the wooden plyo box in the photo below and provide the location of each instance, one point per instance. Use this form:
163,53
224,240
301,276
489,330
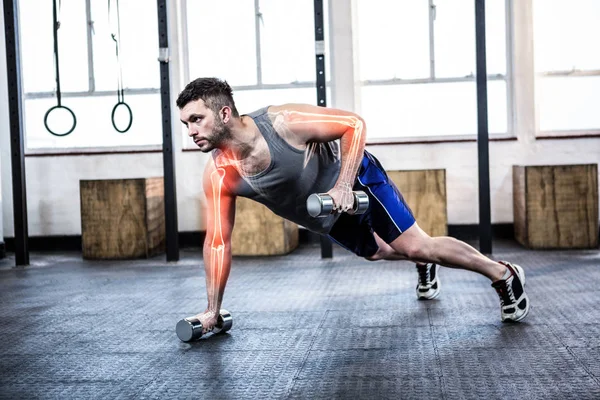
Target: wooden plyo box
425,193
122,218
259,232
556,207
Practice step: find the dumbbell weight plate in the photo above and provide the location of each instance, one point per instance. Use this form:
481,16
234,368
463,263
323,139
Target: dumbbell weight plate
319,205
361,202
224,322
189,329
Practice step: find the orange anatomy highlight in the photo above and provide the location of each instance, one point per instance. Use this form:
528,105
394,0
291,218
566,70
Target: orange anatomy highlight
217,247
352,150
347,174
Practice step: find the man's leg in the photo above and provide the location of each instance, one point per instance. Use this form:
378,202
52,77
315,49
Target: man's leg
416,245
390,217
428,286
508,279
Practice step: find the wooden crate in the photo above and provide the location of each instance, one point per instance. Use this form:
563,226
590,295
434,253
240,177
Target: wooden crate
556,206
425,193
259,232
122,218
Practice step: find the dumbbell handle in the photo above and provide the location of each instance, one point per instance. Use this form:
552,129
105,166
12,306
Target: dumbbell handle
321,204
190,329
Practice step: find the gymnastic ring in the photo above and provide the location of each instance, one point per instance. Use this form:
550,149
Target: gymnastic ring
60,134
113,116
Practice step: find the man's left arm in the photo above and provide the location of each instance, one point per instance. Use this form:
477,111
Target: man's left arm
320,124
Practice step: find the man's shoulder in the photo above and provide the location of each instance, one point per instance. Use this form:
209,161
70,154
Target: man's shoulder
275,108
259,111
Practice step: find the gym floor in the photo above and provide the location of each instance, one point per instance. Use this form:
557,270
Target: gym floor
303,328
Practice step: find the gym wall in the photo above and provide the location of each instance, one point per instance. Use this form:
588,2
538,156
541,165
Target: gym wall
53,181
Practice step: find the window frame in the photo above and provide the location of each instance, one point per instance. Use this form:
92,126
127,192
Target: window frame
507,78
187,145
565,133
91,92
549,74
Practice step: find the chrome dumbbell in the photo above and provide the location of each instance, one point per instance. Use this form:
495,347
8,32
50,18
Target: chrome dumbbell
190,329
321,204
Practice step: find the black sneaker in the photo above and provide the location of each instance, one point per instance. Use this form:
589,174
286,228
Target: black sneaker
429,285
514,303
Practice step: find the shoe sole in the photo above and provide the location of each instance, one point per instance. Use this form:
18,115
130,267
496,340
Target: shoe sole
521,274
424,297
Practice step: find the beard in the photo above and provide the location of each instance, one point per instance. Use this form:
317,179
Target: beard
220,134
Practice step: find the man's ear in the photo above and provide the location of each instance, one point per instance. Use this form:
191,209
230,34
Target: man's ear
225,114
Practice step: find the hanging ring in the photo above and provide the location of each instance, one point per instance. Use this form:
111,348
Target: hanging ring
60,134
114,110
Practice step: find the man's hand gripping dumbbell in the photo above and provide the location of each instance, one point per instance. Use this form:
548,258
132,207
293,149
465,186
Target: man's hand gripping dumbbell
190,329
322,204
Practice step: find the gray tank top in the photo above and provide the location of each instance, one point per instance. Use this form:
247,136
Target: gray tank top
286,183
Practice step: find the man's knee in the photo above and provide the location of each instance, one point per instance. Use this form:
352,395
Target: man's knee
416,248
417,251
379,255
384,251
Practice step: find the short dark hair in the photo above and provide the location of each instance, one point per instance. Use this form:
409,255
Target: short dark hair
214,92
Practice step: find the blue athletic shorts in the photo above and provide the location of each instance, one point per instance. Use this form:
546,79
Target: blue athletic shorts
388,214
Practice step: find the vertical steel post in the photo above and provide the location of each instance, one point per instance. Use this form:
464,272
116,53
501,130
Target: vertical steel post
326,247
485,225
17,142
172,233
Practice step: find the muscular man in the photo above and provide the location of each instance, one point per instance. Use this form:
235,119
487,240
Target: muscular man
280,155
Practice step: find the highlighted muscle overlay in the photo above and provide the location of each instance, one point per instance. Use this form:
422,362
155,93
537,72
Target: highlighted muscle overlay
351,146
295,117
226,159
217,247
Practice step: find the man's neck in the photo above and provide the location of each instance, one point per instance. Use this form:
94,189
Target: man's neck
244,136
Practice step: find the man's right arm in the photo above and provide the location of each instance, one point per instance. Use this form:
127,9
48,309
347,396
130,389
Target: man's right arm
220,216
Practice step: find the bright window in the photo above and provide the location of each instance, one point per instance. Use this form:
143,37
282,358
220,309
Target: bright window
393,43
568,103
435,109
454,38
417,63
37,51
94,126
566,36
287,41
222,41
250,100
265,51
90,91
